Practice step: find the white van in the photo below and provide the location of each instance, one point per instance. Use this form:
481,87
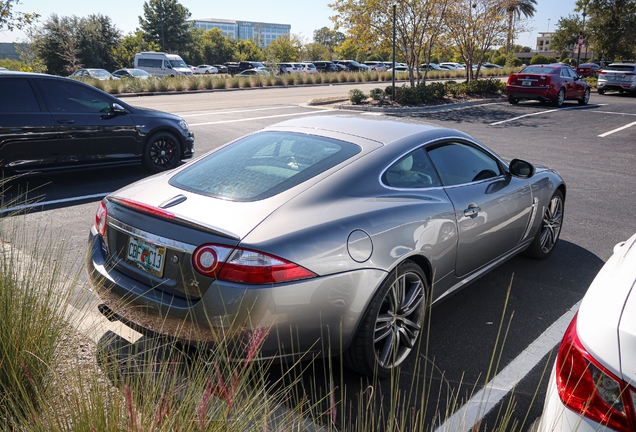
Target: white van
161,64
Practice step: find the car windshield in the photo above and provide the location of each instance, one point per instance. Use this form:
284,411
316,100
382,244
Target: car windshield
537,70
262,165
139,72
178,64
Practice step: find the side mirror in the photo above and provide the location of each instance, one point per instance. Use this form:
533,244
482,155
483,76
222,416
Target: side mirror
520,168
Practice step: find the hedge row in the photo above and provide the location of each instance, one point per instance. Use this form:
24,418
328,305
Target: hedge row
436,91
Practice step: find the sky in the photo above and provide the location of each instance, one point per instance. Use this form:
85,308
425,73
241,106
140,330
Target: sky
304,16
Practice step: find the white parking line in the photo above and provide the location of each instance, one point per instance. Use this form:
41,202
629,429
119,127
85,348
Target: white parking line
43,203
261,118
617,130
542,112
237,111
485,399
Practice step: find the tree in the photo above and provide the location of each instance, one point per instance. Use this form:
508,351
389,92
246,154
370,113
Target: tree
515,10
612,28
217,48
566,34
165,23
131,44
473,27
315,51
66,43
329,38
97,39
247,50
10,19
284,49
418,25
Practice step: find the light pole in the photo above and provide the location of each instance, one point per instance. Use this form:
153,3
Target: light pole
393,69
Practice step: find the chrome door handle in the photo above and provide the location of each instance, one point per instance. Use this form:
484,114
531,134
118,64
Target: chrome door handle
66,121
472,211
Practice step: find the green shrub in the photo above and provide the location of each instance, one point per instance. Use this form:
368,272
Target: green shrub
541,59
593,82
500,60
356,96
452,87
406,95
377,94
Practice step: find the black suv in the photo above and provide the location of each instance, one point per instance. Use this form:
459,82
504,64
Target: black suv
326,66
49,122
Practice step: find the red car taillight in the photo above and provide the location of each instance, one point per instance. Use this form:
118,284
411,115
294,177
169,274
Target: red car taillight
602,72
510,79
246,266
100,219
588,388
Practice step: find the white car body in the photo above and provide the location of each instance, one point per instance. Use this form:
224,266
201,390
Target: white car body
205,69
309,68
293,68
454,65
606,328
161,64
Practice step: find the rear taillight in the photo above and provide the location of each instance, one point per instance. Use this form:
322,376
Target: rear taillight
602,72
100,219
588,388
509,79
246,266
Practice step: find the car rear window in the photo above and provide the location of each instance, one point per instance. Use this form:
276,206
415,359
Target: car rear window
622,68
262,165
537,70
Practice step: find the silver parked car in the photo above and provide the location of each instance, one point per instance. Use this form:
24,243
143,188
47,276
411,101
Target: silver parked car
333,233
617,76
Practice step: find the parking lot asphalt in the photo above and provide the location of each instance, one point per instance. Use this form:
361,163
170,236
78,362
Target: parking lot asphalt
591,146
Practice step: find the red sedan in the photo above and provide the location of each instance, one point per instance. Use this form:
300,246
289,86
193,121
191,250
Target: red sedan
588,69
553,83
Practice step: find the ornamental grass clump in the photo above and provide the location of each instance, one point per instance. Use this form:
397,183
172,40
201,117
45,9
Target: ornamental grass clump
194,82
34,305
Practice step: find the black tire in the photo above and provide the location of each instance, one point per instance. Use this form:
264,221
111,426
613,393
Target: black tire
387,334
512,100
586,97
161,152
560,98
550,229
601,91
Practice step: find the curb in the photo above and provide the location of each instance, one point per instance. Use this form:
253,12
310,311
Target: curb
422,109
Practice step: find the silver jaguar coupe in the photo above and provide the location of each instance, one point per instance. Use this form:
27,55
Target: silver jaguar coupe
333,235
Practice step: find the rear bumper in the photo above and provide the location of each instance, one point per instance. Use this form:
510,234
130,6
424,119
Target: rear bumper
616,85
526,92
314,316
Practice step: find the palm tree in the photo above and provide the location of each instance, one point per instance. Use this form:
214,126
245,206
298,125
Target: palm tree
515,9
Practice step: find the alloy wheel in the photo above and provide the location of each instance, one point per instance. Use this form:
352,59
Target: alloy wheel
551,225
399,320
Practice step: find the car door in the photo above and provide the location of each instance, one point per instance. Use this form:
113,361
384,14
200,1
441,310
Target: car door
27,129
571,88
89,131
492,208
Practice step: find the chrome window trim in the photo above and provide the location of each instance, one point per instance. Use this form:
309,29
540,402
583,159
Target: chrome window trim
151,238
448,138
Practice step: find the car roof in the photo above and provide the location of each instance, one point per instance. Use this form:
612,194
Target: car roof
382,130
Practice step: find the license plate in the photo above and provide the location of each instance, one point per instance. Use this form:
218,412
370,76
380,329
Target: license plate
146,255
526,83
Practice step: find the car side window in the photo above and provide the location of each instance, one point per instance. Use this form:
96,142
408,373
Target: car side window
459,163
17,96
412,171
68,97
